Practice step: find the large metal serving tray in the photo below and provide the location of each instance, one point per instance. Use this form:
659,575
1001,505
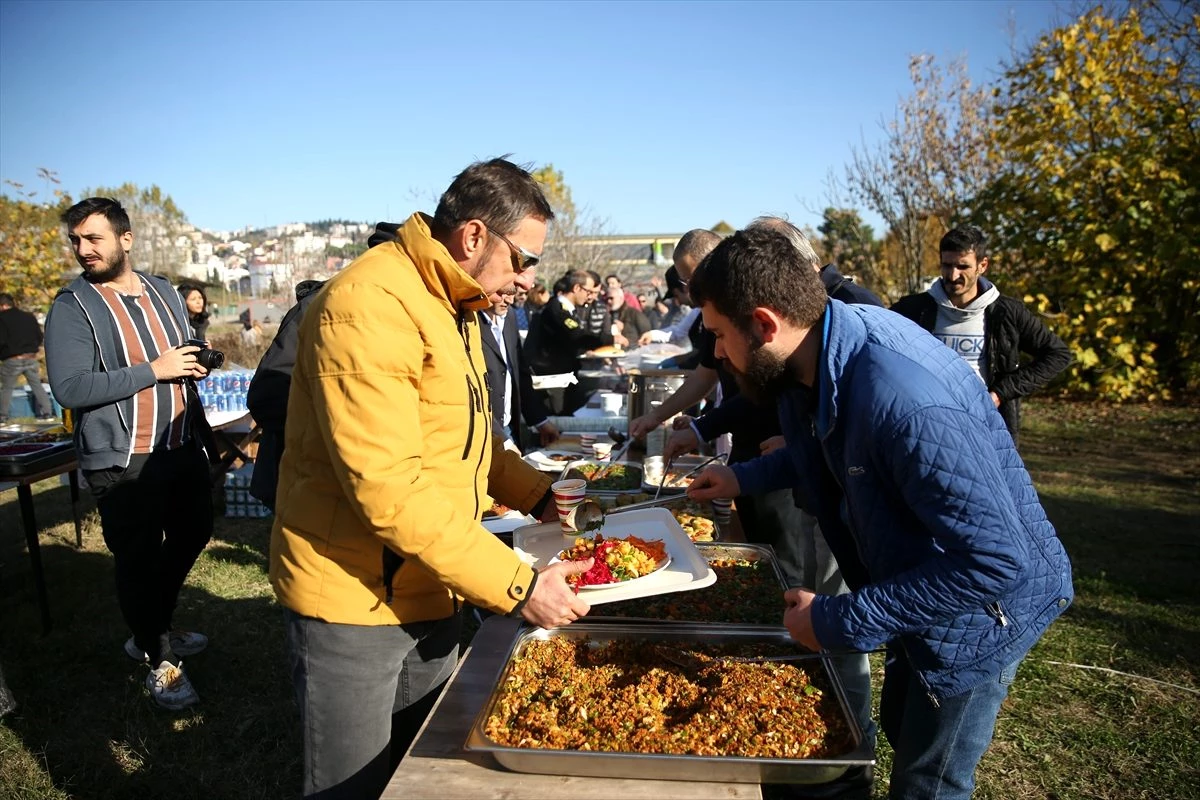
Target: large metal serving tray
634,611
51,454
728,769
628,465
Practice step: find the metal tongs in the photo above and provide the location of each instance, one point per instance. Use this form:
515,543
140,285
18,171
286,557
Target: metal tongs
589,516
667,469
622,442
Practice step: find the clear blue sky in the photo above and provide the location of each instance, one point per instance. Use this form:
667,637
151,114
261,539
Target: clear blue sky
661,116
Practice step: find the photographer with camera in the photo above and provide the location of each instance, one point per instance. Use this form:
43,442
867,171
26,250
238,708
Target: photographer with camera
120,354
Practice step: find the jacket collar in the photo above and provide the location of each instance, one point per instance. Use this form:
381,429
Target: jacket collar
485,321
457,291
842,335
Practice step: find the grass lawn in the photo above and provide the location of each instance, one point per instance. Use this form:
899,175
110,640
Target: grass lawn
1121,484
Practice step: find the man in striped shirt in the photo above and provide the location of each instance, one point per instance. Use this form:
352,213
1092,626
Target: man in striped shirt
116,356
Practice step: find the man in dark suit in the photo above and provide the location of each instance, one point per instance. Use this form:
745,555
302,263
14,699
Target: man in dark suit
558,338
509,378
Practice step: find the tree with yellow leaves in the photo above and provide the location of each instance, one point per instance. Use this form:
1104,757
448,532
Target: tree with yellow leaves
36,261
568,244
1095,212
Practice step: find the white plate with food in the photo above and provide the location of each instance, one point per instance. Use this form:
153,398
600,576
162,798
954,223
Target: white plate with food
685,569
619,560
551,460
502,519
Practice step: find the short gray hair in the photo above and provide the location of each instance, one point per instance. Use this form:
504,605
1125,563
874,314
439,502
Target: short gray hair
790,232
697,243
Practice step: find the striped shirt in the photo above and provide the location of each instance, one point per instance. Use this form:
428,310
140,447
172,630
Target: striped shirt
145,330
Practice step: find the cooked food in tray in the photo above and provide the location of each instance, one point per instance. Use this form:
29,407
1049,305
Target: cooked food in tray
698,528
497,510
607,351
23,448
52,436
748,591
627,696
693,517
675,479
619,478
617,559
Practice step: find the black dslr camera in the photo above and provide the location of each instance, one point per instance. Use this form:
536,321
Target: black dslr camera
207,357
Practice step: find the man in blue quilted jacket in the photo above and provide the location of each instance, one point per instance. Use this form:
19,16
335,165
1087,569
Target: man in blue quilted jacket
895,446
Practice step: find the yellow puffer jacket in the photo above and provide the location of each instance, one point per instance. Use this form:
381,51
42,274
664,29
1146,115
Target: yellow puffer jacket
389,444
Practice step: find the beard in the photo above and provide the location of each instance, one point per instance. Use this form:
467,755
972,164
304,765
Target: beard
765,377
107,269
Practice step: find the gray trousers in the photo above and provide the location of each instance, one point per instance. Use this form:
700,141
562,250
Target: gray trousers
357,686
13,368
808,562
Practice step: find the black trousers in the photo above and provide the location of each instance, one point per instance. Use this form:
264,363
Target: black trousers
157,515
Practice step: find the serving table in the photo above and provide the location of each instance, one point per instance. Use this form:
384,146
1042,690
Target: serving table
437,758
60,460
437,765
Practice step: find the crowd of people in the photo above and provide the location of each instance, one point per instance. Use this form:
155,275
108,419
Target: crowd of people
876,455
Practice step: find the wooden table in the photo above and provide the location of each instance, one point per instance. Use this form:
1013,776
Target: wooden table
437,766
63,462
235,431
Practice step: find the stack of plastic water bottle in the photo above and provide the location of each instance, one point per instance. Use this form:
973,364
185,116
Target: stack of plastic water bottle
238,500
225,390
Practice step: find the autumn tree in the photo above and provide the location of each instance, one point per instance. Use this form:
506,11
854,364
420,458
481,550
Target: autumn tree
931,161
570,243
1096,207
36,261
848,241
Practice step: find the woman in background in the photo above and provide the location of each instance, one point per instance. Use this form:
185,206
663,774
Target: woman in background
197,307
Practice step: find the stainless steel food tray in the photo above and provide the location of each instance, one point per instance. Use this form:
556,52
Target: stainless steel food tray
49,455
710,550
730,769
628,465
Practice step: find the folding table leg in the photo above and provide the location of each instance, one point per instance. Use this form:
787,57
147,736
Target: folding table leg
73,480
25,497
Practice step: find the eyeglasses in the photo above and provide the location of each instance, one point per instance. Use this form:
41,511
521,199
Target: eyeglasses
522,259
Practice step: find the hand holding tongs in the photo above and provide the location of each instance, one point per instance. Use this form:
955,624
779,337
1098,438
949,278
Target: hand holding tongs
622,441
719,457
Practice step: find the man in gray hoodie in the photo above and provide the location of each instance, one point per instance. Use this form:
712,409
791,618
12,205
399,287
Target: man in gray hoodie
116,355
989,330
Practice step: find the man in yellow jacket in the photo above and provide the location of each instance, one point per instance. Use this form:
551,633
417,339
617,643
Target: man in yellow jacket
387,467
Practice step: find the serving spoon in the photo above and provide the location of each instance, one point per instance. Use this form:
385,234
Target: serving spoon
589,516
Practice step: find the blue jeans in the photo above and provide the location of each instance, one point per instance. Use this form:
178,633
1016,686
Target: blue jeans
13,368
363,692
937,748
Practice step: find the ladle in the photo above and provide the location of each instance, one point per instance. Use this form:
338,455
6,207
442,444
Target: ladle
589,516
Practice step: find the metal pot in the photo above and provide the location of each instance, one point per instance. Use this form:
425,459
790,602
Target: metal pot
650,387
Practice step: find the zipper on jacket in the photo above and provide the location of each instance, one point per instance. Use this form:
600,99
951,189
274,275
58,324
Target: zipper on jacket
392,561
997,613
476,392
470,418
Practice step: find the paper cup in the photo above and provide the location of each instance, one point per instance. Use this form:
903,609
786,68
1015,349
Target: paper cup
586,440
567,495
722,509
602,450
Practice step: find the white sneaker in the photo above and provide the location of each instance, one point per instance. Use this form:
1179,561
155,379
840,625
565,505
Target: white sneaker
183,644
170,687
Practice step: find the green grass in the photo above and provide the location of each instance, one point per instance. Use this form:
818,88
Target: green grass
1122,485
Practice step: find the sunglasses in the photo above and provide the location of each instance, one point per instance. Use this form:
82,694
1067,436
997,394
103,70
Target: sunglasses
522,259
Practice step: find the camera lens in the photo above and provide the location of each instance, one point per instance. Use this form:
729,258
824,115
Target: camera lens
210,359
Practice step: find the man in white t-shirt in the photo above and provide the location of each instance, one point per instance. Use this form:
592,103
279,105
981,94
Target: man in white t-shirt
989,330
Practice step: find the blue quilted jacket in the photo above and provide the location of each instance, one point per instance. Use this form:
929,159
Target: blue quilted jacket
962,568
